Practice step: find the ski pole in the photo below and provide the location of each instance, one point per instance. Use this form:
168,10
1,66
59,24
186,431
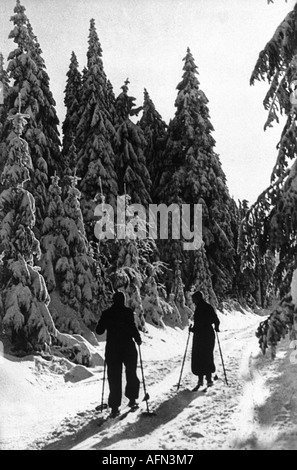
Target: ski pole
183,363
222,360
146,395
103,386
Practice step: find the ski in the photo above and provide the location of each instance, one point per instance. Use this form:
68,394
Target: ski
119,417
202,389
127,412
198,389
206,387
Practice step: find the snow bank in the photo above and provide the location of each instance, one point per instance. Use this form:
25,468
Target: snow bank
20,399
163,343
77,373
37,394
233,316
267,412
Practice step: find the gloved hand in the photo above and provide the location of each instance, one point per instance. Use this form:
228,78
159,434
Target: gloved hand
139,342
191,328
217,329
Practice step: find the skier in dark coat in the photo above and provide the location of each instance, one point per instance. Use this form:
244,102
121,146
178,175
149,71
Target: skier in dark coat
122,333
203,340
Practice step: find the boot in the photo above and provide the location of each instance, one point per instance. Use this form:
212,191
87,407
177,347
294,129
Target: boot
209,380
114,412
199,385
133,404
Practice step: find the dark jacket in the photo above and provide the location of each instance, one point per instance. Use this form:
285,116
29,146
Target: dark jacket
119,322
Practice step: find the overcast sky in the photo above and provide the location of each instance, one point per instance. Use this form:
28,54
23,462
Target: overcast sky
146,41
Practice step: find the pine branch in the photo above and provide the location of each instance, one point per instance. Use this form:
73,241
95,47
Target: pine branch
277,92
276,326
287,145
279,50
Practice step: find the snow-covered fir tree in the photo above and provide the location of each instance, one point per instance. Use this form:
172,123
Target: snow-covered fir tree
54,247
95,133
132,172
72,101
152,301
75,268
155,132
24,294
192,174
47,115
26,71
135,270
52,242
4,84
253,278
127,273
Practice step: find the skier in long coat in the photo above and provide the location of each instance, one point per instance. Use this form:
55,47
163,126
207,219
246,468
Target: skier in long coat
122,333
203,340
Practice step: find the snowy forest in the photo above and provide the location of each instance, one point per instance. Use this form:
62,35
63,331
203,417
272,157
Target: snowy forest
56,277
58,274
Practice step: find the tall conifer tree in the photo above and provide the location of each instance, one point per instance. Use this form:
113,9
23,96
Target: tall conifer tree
72,101
28,76
24,294
95,133
193,175
154,129
133,175
4,84
76,266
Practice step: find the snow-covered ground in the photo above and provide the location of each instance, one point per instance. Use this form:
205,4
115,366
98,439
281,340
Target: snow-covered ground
42,406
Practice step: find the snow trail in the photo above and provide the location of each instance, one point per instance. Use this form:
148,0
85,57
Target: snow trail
257,411
184,420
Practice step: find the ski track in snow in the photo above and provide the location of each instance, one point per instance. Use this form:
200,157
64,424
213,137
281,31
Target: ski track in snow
183,420
256,411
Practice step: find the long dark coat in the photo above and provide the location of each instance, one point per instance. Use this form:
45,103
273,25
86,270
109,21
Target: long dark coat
204,339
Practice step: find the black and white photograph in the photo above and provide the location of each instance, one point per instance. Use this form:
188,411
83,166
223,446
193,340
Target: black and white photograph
148,227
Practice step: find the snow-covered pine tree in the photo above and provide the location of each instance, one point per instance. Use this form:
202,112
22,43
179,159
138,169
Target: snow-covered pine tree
47,115
279,323
72,101
127,275
54,247
245,286
4,84
28,76
270,225
192,174
135,270
52,242
95,134
153,305
75,268
255,266
178,296
155,131
24,294
132,172
202,276
67,265
4,81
